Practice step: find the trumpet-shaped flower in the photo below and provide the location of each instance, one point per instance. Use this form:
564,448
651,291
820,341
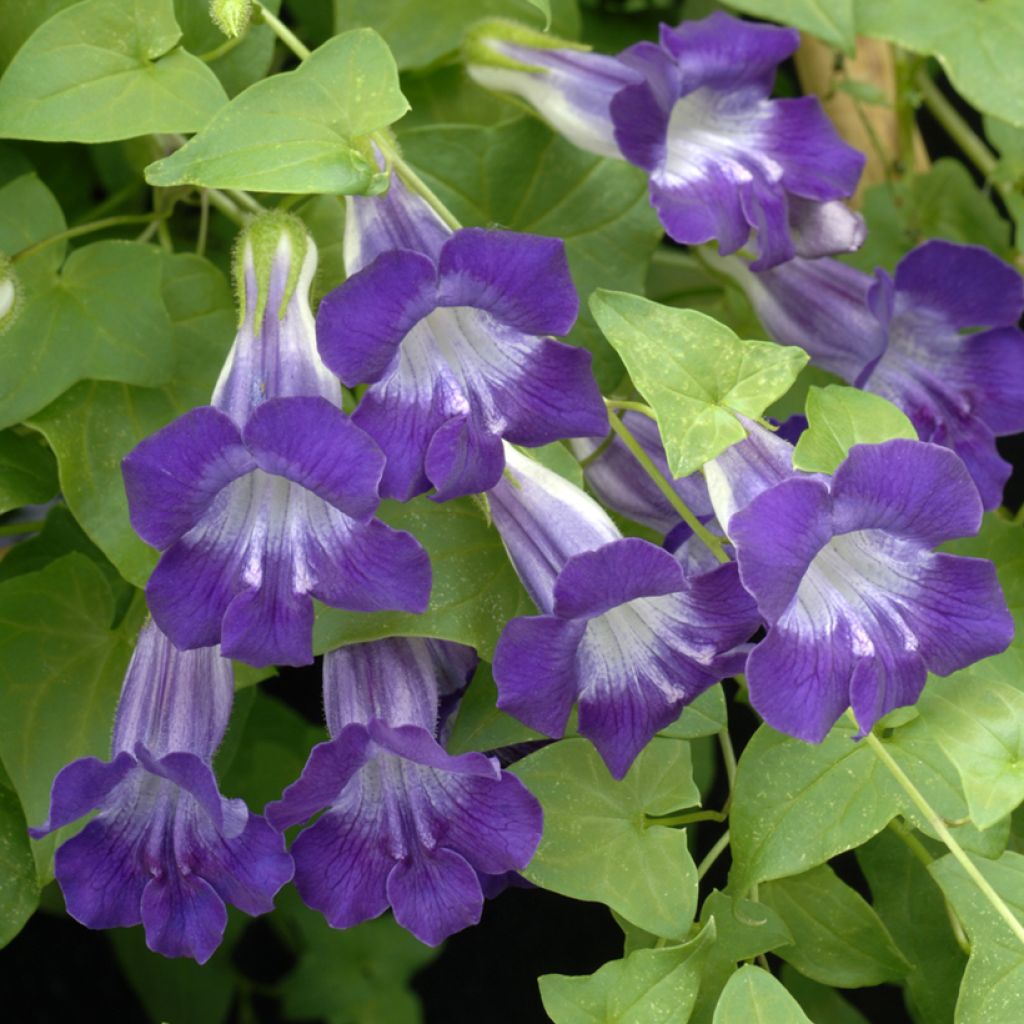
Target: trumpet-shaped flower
449,330
166,849
724,161
939,339
624,630
266,498
406,825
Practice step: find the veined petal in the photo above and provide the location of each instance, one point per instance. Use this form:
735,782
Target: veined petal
82,786
172,476
434,894
183,916
522,280
361,324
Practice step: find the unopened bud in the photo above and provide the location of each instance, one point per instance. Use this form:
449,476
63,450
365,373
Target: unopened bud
231,16
269,259
499,43
10,294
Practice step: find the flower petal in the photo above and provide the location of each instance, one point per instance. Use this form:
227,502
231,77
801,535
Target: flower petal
521,280
183,916
361,324
81,786
463,457
314,444
535,671
172,476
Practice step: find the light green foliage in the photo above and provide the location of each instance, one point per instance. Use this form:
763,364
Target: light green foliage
345,90
599,843
19,888
28,472
648,985
943,202
829,20
421,31
694,372
977,44
475,592
840,417
522,177
796,805
703,717
106,69
324,217
60,676
822,1004
753,996
912,907
838,939
95,424
479,725
993,985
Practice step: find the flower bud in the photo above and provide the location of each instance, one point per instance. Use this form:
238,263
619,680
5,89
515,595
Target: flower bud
274,245
231,16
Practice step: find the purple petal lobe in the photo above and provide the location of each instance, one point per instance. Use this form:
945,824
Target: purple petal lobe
183,916
269,625
597,581
522,280
313,443
172,476
463,458
361,324
80,787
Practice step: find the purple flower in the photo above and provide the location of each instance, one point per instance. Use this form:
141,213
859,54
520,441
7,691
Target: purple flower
723,159
265,499
859,608
914,339
450,339
406,825
624,631
166,849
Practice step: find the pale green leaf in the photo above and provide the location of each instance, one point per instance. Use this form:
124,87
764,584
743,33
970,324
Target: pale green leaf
993,987
703,717
838,939
796,804
28,472
648,986
978,45
599,842
29,213
475,592
479,725
95,424
753,996
19,888
694,372
822,1004
106,69
61,668
299,131
830,20
523,177
840,417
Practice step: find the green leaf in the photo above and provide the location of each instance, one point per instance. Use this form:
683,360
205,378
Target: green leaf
479,725
324,216
977,44
944,202
20,20
102,318
61,668
599,843
648,985
1009,142
28,472
840,417
743,929
705,716
913,909
446,95
19,889
993,987
356,976
95,424
753,996
29,213
299,131
525,178
103,70
830,20
822,1004
838,939
694,372
796,805
476,590
244,63
421,31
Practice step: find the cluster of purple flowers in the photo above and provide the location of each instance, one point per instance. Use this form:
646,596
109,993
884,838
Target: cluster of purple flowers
267,499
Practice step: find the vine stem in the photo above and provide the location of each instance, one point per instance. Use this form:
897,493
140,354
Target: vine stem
623,403
947,837
690,818
226,206
27,526
713,854
87,229
666,488
283,32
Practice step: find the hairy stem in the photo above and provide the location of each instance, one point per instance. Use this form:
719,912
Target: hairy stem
713,854
283,32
